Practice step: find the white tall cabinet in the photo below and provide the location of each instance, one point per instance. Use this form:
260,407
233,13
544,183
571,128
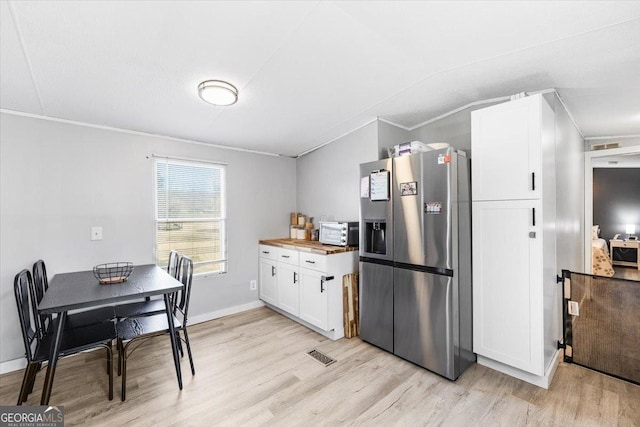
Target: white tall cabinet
514,240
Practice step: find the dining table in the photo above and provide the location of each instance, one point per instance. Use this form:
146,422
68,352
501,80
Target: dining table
82,290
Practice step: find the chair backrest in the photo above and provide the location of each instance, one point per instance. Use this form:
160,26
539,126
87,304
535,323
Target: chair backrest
40,286
173,266
185,276
22,284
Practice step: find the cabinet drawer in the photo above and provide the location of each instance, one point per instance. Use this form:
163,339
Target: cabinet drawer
626,245
268,252
288,256
313,261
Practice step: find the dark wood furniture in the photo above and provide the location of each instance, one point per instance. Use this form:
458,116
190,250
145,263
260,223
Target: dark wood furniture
80,290
73,340
77,320
148,307
140,328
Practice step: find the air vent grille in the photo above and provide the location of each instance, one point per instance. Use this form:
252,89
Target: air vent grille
608,146
321,357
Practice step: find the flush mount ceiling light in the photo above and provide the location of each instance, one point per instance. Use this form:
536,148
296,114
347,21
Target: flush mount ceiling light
217,92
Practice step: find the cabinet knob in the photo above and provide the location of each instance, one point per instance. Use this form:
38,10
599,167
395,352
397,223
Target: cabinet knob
532,234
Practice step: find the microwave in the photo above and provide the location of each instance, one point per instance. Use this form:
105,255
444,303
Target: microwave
340,233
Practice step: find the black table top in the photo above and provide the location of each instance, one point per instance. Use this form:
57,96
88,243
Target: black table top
70,291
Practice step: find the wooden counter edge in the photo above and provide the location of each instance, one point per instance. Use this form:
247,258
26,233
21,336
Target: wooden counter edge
308,246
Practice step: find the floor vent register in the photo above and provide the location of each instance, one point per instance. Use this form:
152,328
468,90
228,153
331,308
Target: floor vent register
321,357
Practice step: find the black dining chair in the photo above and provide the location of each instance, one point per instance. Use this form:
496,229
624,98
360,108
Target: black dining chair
148,307
74,340
134,329
74,320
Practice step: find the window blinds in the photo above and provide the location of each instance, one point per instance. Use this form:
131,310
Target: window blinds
191,213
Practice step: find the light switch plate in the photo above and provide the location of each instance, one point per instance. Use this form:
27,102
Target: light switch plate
96,233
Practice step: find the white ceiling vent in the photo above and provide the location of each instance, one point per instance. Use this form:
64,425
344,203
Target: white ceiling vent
596,147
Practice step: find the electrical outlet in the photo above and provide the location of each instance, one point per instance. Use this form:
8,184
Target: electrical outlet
96,233
253,285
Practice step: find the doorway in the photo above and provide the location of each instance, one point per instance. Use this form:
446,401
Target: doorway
624,157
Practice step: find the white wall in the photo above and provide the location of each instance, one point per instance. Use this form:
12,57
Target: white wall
328,179
569,190
389,136
454,129
57,180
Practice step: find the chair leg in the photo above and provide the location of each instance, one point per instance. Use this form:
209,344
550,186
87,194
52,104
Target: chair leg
119,348
123,363
179,342
22,397
109,359
32,379
186,341
110,369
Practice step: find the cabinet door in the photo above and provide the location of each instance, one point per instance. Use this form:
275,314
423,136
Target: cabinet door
313,298
287,288
506,146
507,283
268,285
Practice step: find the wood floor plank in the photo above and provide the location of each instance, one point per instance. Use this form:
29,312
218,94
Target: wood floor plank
251,369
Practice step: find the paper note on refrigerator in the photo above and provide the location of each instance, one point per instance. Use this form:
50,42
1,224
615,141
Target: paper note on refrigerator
379,185
364,187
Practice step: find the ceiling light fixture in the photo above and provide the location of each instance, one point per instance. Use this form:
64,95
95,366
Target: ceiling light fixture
217,92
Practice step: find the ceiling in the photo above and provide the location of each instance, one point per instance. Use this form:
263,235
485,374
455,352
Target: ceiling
308,72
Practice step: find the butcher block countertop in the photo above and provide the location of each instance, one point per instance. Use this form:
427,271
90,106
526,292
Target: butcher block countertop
308,246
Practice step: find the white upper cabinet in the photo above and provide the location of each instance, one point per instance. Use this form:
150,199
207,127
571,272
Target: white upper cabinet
506,147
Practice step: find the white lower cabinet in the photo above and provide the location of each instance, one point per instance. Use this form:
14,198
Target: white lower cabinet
306,287
268,281
288,288
507,283
313,298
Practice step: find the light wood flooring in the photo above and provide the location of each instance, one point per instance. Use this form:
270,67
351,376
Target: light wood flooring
251,370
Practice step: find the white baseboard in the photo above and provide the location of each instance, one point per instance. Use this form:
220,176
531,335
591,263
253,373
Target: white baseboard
18,364
12,365
334,334
540,381
205,317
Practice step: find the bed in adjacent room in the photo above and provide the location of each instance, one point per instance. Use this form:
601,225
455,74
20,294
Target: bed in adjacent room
600,260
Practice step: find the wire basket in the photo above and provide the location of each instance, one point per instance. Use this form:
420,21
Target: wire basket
113,272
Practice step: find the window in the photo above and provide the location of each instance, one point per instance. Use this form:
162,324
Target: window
191,213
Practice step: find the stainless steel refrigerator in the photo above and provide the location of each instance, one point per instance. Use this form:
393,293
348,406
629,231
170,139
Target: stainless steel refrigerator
415,259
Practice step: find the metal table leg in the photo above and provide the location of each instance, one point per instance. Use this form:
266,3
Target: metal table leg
53,359
172,336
